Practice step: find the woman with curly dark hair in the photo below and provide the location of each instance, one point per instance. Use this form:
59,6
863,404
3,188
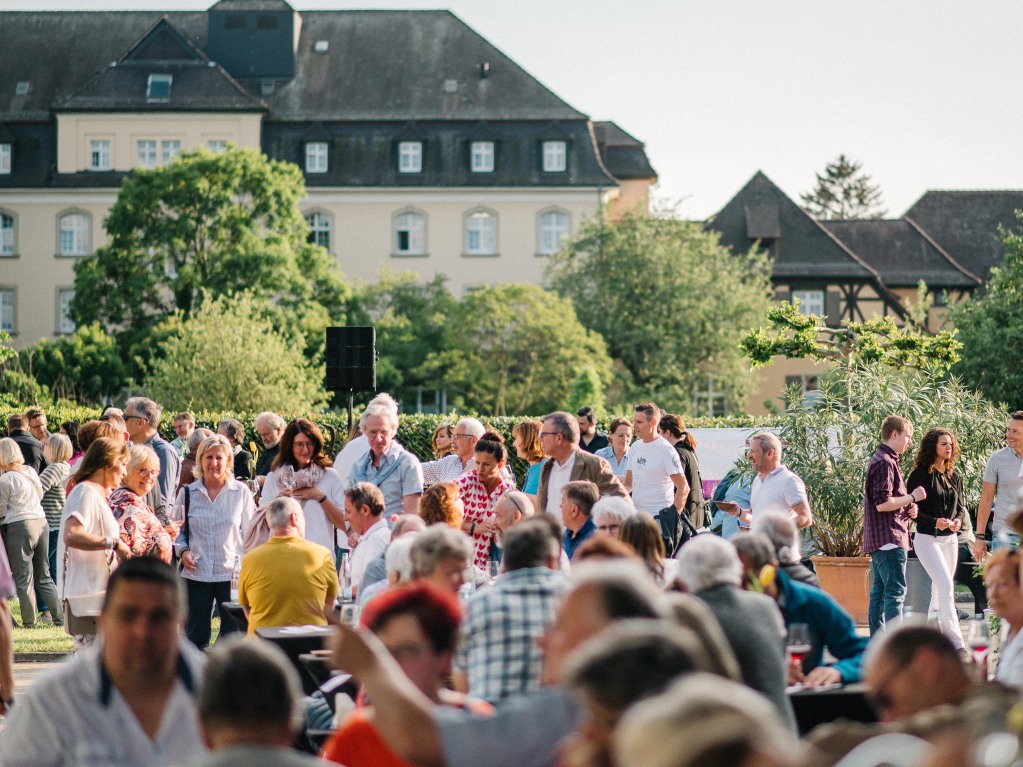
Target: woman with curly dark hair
939,517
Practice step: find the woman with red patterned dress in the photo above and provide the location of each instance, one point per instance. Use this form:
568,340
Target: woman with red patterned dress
480,489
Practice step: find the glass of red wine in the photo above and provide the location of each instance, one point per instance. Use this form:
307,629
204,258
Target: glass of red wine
979,639
798,643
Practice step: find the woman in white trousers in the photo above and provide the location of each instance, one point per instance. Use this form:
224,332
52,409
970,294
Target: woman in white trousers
940,517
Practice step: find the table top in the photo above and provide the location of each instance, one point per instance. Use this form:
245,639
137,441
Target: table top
293,632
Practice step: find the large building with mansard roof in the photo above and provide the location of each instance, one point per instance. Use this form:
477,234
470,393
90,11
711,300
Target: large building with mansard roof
424,147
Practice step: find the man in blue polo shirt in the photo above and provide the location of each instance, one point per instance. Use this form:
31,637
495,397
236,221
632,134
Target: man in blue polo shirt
577,499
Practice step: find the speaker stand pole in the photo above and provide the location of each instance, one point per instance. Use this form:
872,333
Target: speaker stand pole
351,402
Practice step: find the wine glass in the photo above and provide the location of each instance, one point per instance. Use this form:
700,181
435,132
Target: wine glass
798,643
979,639
286,477
493,569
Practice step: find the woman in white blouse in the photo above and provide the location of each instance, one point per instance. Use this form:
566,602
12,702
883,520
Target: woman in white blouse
213,511
89,534
302,470
26,533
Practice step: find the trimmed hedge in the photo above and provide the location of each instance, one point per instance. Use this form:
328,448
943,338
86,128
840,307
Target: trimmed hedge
414,430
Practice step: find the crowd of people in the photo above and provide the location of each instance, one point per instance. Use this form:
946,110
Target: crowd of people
590,617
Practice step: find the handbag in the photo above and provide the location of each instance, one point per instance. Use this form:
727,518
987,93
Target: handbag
75,625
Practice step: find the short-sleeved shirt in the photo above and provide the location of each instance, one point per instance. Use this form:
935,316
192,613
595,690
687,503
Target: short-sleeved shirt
479,505
285,582
405,479
502,626
884,481
618,467
778,491
87,571
1003,471
446,469
532,483
652,464
75,715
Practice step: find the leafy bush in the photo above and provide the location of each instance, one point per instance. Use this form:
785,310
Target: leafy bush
830,439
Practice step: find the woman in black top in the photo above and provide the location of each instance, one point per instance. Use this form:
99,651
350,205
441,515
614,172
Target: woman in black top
940,516
673,429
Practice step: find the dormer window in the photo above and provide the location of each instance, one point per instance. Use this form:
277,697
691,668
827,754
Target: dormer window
5,159
158,88
22,88
410,157
482,156
554,157
316,157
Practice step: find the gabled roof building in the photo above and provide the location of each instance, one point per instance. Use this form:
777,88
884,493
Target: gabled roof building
424,147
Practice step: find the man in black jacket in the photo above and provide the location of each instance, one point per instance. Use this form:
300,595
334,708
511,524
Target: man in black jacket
31,448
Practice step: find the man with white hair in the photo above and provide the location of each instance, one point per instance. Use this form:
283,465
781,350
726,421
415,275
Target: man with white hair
393,469
287,581
270,428
358,446
709,568
776,487
779,528
449,468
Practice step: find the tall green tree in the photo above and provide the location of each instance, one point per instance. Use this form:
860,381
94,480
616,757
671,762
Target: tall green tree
670,301
85,367
207,224
517,348
226,355
412,322
991,329
843,192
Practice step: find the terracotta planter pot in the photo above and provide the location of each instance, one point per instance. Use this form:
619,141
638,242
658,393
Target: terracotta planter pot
847,579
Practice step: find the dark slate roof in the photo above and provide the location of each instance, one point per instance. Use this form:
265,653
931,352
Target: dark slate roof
801,249
901,253
251,5
393,65
965,224
379,65
198,84
622,153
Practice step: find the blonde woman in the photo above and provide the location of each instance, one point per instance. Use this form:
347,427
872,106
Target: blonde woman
26,535
215,510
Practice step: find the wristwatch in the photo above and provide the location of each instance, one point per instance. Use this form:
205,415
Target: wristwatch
109,544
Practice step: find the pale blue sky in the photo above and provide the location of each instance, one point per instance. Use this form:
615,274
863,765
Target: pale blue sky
925,93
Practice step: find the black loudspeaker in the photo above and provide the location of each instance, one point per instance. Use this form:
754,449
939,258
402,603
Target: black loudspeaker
351,359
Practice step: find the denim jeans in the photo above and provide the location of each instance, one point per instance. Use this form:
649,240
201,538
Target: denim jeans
887,587
1003,539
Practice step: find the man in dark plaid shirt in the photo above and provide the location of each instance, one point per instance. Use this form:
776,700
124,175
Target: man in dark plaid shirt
887,510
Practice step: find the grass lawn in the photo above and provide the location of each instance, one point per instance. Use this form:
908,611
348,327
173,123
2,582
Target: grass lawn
46,637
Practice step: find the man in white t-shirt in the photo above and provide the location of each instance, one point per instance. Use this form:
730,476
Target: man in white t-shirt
654,475
776,487
364,511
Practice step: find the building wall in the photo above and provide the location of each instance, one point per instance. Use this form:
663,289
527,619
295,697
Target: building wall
75,133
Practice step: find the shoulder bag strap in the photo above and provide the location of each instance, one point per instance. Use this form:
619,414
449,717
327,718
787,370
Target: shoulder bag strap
184,525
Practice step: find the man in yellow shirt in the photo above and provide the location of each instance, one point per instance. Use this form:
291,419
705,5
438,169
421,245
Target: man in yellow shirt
288,581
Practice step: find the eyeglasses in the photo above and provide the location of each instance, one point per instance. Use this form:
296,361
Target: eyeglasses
302,445
149,472
129,417
456,435
613,529
549,433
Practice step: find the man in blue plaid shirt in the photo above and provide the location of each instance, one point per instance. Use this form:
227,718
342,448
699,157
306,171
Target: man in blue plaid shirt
498,654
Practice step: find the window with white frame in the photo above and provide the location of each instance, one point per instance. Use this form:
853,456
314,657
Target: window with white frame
158,88
169,150
810,301
410,157
99,155
554,156
553,228
6,234
217,145
481,233
74,234
319,229
482,156
708,399
316,157
5,159
146,153
8,309
410,234
64,322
